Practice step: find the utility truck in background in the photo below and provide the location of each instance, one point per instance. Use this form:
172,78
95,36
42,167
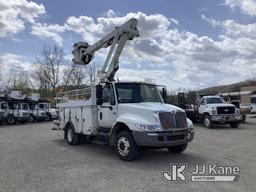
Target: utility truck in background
126,115
12,112
213,109
43,107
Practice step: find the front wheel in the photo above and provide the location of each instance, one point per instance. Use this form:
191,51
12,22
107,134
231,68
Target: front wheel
208,121
234,124
177,148
126,147
11,120
48,117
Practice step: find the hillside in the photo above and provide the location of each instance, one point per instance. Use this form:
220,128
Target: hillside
229,88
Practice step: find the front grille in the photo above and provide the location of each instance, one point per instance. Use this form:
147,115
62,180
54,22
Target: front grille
173,120
1,114
167,120
181,120
225,110
175,137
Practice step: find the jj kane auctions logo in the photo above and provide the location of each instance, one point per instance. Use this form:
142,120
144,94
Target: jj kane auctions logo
206,172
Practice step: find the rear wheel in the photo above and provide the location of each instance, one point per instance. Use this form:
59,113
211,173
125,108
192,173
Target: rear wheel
177,148
234,124
11,120
126,147
71,136
208,121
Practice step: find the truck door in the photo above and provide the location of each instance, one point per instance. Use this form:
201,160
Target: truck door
108,110
202,106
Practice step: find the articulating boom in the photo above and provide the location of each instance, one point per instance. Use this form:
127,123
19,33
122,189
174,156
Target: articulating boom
84,53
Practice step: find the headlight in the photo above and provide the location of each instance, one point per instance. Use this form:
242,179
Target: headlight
148,127
237,111
214,111
190,123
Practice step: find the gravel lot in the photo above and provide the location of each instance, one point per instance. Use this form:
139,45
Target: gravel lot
36,158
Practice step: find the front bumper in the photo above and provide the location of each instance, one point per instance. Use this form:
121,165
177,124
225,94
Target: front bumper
226,118
22,118
54,116
163,139
41,118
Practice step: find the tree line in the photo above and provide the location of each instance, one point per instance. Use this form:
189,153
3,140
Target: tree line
52,73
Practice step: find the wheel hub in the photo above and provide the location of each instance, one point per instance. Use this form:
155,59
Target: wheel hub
123,146
70,135
206,122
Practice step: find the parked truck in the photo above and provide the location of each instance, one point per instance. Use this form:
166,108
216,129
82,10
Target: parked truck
12,113
126,115
34,112
210,110
213,109
44,106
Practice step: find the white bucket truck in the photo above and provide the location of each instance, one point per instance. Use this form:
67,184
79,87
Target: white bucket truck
43,107
12,111
125,115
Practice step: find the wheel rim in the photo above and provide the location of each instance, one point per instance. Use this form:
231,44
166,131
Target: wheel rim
11,120
123,146
206,122
70,135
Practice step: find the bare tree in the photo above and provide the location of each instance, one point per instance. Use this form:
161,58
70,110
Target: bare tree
21,82
77,76
49,63
92,70
74,76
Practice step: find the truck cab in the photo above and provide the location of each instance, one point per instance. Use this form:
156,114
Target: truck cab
128,116
51,113
213,109
12,112
34,114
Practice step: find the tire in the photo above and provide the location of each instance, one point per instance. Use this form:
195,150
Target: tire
11,120
207,121
243,118
234,124
31,118
125,146
177,148
71,136
48,117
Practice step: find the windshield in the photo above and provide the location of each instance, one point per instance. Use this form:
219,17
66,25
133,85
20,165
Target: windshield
212,100
23,106
137,93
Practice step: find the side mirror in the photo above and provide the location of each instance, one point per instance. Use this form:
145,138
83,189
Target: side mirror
112,100
99,100
164,94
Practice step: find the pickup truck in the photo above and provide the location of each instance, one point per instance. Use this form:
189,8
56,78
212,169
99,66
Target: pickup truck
213,109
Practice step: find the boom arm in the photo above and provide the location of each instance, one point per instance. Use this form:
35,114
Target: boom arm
84,54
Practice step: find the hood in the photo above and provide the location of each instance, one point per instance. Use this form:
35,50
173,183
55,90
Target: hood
220,105
151,106
144,112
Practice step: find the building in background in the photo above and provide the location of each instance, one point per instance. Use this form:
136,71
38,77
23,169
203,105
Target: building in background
248,98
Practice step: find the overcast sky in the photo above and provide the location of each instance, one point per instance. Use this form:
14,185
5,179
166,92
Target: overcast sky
182,43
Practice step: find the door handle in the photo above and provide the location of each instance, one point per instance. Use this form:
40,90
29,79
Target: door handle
110,107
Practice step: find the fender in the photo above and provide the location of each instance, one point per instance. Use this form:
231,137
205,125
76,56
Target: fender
125,122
